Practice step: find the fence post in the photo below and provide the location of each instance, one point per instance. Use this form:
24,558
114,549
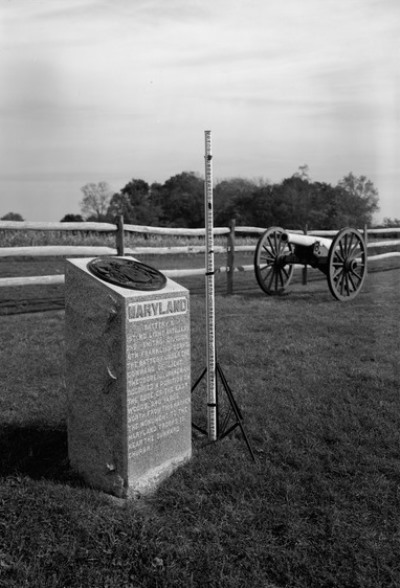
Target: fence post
305,230
365,235
120,235
230,261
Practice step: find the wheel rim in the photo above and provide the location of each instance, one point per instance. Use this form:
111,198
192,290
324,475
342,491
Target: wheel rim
272,273
347,264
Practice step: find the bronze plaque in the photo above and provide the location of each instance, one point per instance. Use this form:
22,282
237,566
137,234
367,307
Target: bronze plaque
127,273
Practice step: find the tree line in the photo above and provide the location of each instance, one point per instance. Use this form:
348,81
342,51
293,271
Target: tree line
293,203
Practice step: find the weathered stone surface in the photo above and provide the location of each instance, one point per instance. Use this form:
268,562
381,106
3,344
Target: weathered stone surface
128,381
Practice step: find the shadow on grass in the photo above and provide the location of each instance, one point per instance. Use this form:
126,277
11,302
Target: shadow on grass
37,452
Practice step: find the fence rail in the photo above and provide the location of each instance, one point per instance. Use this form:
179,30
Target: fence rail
120,228
110,227
39,226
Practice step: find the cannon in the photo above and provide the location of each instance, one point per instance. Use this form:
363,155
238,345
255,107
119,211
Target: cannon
343,260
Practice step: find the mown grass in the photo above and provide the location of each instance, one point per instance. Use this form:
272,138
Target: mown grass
318,384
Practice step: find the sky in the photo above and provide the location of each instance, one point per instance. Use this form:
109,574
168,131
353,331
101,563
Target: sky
111,90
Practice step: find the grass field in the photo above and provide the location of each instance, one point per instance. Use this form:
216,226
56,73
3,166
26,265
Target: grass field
318,383
20,298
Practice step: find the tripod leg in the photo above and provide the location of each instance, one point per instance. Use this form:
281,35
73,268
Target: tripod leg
237,412
227,388
203,373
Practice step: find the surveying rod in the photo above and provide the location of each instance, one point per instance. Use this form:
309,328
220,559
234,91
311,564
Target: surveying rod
212,423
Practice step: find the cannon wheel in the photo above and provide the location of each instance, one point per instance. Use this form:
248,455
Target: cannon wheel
272,272
347,264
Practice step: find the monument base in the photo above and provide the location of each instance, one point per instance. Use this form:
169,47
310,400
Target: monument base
149,482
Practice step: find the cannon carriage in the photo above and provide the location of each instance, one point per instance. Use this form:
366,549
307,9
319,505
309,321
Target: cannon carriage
343,260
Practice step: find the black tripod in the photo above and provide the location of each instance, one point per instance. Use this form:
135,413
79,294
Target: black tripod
222,430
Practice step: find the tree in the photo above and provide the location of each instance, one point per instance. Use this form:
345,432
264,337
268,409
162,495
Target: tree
262,204
303,172
227,194
135,204
391,222
156,199
362,199
324,209
96,198
12,216
296,202
254,208
71,218
291,202
182,201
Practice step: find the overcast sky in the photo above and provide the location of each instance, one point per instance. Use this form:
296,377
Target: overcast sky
110,90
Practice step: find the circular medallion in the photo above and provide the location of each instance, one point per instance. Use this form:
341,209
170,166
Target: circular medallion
127,273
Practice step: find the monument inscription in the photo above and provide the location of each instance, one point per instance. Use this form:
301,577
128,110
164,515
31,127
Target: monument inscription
157,357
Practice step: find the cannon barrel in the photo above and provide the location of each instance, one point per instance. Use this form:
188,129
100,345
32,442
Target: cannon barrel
305,240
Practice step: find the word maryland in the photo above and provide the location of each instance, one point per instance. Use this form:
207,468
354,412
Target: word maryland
156,308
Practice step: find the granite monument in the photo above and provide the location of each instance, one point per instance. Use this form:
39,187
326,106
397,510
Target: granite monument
127,374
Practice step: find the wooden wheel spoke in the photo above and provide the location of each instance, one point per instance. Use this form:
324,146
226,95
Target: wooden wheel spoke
264,267
335,282
342,253
267,253
336,262
337,265
281,245
338,278
281,278
279,281
343,245
341,283
272,276
338,255
265,261
338,271
354,251
267,269
275,242
347,285
349,244
276,281
273,245
355,273
266,273
350,278
268,248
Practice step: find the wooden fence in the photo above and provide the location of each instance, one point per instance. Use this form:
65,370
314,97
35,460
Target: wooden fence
120,229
